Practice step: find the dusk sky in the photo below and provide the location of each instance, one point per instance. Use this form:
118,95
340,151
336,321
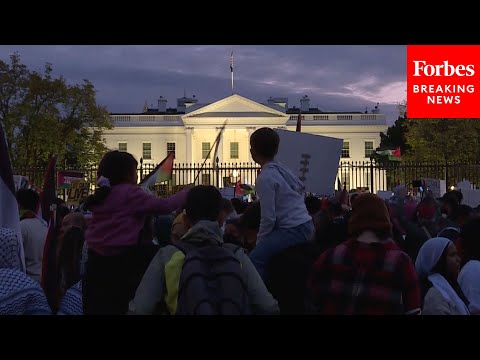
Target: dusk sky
336,77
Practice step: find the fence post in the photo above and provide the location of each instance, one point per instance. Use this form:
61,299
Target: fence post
141,169
217,170
446,173
371,177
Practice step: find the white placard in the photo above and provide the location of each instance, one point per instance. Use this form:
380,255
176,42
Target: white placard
384,195
313,158
471,197
437,187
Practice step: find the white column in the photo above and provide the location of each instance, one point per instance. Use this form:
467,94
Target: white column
250,130
189,152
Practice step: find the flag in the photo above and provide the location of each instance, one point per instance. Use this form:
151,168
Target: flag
9,215
48,279
299,122
47,212
162,172
393,155
217,143
238,189
48,194
231,61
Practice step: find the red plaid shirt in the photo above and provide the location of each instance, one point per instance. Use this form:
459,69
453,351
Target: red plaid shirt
367,279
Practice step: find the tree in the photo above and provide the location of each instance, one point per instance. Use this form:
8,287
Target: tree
455,140
394,137
44,115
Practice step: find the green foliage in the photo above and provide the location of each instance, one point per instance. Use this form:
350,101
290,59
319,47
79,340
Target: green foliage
43,115
453,140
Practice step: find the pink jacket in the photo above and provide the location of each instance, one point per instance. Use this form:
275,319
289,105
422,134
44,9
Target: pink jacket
117,222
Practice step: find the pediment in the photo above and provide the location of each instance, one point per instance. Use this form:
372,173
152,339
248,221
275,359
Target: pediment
235,106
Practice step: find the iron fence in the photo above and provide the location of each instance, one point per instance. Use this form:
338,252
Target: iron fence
360,174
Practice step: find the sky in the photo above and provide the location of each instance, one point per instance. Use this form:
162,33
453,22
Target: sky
335,77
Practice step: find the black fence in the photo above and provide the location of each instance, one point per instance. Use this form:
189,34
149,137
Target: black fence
361,174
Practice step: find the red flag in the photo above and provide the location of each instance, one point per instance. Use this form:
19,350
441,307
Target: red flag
238,189
299,122
48,196
48,279
396,152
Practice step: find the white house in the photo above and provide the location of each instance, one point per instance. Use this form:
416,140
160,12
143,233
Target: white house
191,128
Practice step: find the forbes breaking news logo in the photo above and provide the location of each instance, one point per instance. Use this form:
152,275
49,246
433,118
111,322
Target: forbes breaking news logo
442,81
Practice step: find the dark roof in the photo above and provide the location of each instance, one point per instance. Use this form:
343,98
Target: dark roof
318,111
170,111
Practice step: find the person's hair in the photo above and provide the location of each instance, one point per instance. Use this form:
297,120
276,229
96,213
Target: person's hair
313,204
69,259
238,205
353,197
455,194
265,141
28,199
335,208
469,240
62,211
117,167
204,202
250,218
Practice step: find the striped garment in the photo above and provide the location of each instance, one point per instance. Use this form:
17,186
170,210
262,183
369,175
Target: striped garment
21,295
72,303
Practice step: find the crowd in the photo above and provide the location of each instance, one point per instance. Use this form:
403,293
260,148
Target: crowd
196,253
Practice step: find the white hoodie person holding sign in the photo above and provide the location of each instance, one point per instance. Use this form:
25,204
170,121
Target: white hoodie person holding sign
285,221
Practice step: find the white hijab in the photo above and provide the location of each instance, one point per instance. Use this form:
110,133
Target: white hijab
428,256
469,282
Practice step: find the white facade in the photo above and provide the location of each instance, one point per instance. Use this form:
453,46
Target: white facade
148,134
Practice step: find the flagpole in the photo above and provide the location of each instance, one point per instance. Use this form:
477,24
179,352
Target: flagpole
231,68
211,148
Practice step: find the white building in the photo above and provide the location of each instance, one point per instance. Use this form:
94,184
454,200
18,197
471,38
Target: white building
191,128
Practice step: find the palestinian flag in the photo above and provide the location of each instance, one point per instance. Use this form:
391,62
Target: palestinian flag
163,172
393,155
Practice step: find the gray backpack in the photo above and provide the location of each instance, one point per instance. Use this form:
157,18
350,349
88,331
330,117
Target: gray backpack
211,282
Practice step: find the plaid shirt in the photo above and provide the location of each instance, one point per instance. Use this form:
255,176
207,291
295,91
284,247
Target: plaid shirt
368,279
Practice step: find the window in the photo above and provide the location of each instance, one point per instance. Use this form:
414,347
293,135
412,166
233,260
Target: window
122,147
368,148
346,149
147,151
234,150
205,150
205,179
171,148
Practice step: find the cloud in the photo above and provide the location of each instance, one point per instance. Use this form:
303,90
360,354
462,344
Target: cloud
336,77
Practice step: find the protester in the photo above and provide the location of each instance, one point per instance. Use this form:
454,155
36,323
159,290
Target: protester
34,232
115,260
285,220
367,274
161,290
437,266
19,293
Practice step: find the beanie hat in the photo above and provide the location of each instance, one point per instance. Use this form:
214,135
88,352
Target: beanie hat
369,212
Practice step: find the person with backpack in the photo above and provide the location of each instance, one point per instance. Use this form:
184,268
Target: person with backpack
202,275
